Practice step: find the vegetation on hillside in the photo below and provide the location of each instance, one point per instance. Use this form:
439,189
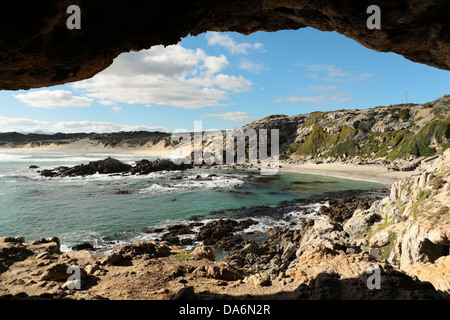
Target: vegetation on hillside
429,140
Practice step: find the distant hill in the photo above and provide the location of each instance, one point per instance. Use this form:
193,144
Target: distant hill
113,140
390,132
402,131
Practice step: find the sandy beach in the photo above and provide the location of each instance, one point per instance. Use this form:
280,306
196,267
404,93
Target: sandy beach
351,171
86,146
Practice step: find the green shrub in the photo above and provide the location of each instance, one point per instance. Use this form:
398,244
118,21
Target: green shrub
347,148
437,183
365,126
183,256
419,144
443,210
313,118
274,116
404,113
387,249
445,146
319,141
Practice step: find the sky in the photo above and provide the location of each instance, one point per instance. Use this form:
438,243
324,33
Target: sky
224,80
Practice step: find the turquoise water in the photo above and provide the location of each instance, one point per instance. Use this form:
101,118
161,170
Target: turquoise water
109,210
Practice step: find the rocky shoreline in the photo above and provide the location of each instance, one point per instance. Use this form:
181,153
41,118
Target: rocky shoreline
403,233
322,259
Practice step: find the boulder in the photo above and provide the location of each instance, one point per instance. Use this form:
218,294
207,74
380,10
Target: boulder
216,230
58,272
114,166
134,250
223,272
83,246
227,243
360,220
51,245
289,251
106,166
379,239
203,252
171,238
259,279
145,166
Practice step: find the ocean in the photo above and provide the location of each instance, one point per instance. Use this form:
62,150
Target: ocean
109,210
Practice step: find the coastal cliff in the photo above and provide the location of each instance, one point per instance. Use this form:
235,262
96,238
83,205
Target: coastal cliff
399,137
404,234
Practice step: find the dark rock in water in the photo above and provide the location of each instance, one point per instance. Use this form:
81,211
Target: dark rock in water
171,238
216,230
195,224
135,250
244,224
219,233
109,165
179,229
146,230
48,173
123,192
186,242
146,166
83,246
106,166
53,173
114,166
34,167
311,182
227,243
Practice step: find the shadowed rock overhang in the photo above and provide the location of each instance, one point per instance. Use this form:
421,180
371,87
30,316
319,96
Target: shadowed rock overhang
37,49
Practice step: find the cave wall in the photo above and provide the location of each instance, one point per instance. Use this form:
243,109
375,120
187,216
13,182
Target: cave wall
37,49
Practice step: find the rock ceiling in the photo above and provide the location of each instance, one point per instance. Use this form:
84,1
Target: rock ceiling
37,48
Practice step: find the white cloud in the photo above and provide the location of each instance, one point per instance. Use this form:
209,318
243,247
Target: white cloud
172,76
317,88
325,97
53,98
234,116
117,108
324,72
9,124
251,66
225,41
107,103
92,126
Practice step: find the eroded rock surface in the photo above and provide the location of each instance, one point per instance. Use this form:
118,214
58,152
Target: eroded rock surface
37,49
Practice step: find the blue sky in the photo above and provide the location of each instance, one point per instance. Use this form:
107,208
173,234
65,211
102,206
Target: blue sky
225,80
